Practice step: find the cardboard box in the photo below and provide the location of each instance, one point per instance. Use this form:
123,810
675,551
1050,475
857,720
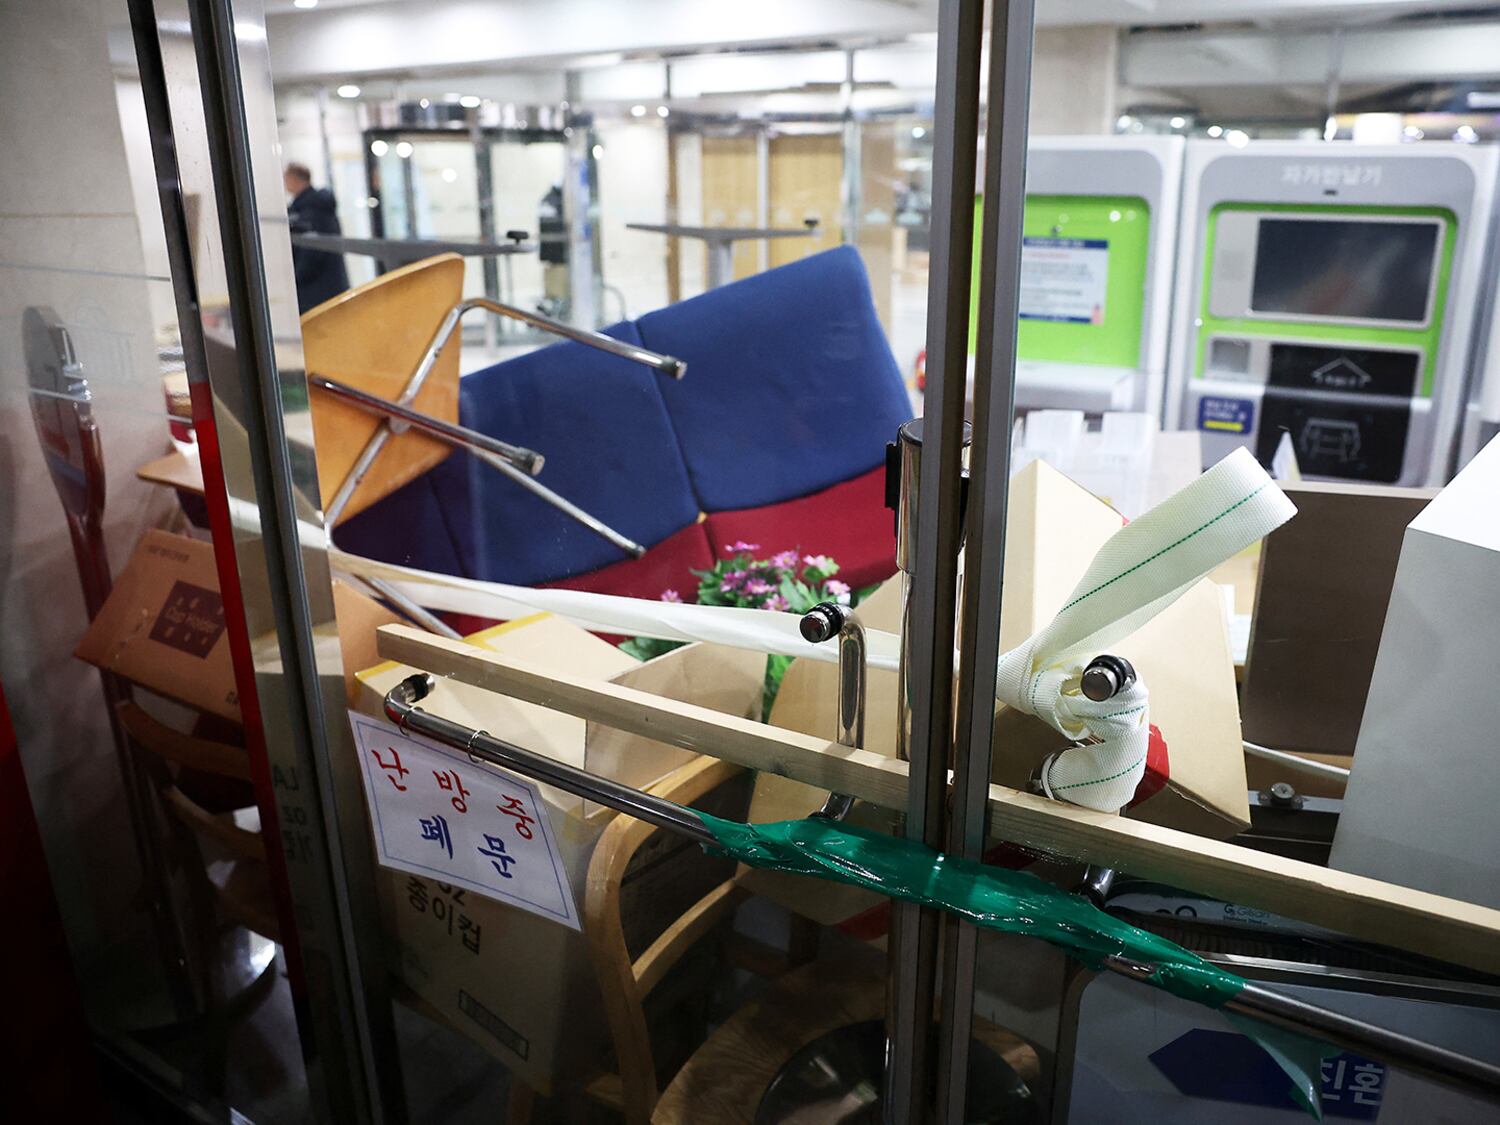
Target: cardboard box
1055,527
162,626
1325,582
521,986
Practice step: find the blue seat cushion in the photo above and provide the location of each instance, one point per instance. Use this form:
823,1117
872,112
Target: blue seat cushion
409,528
600,423
791,386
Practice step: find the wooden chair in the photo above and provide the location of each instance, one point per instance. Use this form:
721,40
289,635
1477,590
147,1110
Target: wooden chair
725,1077
242,895
626,981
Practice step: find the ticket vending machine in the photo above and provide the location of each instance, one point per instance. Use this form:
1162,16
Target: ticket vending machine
1096,272
1329,291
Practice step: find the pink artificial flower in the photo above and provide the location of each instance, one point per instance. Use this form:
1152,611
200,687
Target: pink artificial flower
756,586
671,596
836,588
743,548
819,562
731,581
786,560
775,602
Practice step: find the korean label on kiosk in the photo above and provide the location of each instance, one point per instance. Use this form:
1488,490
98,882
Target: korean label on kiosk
1064,279
437,814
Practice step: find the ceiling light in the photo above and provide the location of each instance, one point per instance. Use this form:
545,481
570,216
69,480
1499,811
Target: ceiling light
469,101
1123,122
637,111
348,90
1178,122
425,102
1237,137
1465,134
379,148
1216,131
450,175
598,151
662,111
404,150
918,132
1412,133
305,5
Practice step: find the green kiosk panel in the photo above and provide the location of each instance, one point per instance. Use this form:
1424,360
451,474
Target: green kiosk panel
1328,292
1096,258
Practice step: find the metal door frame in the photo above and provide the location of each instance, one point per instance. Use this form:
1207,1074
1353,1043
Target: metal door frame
212,122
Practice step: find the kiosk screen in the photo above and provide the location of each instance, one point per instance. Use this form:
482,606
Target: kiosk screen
1344,269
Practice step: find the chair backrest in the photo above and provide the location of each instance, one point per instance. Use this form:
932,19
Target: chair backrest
373,338
628,964
791,386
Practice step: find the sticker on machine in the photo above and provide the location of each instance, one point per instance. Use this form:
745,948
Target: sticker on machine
1226,415
1064,279
438,814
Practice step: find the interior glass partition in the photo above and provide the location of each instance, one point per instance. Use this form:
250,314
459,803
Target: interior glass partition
138,771
466,802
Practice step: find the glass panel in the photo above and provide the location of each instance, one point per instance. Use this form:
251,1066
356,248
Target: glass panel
136,766
644,186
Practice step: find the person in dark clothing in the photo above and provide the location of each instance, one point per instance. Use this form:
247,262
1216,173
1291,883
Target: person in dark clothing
320,274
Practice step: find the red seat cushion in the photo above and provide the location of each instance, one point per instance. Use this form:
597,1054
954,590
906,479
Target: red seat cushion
848,521
666,566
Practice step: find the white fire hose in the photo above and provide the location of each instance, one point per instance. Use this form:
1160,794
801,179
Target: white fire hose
1141,570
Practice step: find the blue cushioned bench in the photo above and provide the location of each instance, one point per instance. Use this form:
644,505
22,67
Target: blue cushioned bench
776,436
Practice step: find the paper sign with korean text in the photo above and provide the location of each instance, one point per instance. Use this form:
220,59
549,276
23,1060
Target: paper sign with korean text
438,814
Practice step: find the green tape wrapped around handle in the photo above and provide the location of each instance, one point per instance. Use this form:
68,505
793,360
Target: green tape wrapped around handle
999,899
993,897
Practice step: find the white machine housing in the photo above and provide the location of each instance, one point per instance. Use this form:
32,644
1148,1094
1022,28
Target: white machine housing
1453,177
1149,167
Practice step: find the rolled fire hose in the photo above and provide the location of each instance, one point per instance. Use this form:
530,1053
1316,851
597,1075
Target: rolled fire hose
1141,570
1137,573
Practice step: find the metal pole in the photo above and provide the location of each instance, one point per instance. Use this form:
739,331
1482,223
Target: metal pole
460,437
928,646
1462,1072
1008,101
401,709
1266,1005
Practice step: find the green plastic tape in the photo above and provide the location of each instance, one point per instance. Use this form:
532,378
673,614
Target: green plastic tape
1010,901
993,897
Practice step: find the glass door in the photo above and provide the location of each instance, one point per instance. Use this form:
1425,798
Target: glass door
131,694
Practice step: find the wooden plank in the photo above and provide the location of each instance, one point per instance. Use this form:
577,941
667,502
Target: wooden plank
1460,932
175,470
